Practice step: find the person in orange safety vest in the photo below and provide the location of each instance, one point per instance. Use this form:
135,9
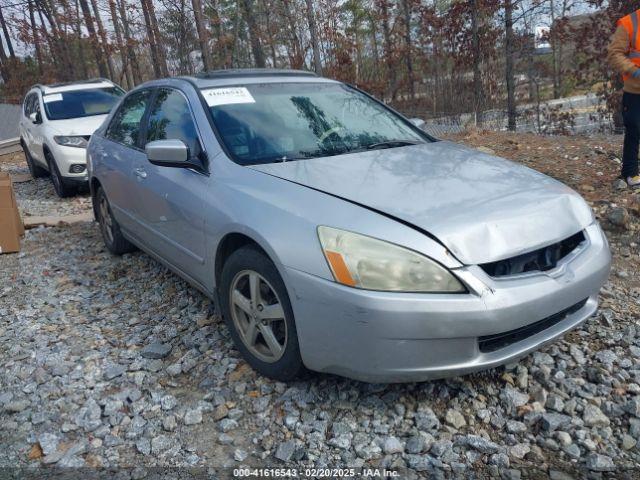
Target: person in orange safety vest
624,56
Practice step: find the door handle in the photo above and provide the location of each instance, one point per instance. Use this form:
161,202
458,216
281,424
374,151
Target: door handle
140,173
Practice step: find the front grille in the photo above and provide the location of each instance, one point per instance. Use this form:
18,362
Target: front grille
491,343
540,260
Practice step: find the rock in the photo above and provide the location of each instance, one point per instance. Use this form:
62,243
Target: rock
519,450
481,444
226,425
593,417
514,426
554,402
156,350
240,455
48,443
286,450
628,442
426,420
113,371
619,184
193,417
17,406
220,412
161,444
554,421
619,217
514,398
558,475
455,419
633,407
168,402
599,463
392,445
169,423
144,446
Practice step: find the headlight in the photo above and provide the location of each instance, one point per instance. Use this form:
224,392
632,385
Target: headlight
71,141
364,262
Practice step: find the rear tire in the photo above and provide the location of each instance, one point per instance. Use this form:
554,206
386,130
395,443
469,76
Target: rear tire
262,325
35,170
111,233
63,190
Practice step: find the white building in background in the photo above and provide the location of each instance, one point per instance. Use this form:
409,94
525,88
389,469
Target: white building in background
542,39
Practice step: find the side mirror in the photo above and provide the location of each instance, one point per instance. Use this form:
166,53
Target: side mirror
35,117
168,153
418,122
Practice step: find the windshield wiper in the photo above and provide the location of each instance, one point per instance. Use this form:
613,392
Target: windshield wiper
391,144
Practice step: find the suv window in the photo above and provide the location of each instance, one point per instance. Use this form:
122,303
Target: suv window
125,125
31,104
170,119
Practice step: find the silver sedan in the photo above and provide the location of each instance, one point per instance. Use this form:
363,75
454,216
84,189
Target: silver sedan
335,235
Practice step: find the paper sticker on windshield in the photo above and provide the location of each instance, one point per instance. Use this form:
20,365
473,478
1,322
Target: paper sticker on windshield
54,97
227,96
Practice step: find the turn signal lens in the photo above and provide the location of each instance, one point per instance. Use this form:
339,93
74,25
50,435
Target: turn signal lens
371,264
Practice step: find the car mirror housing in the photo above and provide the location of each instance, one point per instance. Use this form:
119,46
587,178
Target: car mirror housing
35,118
169,153
418,122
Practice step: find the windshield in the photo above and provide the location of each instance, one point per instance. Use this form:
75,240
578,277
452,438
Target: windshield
81,103
268,123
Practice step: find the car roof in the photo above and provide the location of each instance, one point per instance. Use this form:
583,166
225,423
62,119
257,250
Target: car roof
218,78
72,86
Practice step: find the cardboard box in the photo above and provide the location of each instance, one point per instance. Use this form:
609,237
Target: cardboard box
11,227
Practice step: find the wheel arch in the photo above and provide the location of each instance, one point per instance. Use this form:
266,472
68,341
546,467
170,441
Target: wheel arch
229,244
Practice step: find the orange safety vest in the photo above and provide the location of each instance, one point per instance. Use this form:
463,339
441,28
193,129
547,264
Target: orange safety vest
631,23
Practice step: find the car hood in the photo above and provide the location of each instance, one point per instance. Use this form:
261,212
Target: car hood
78,126
481,207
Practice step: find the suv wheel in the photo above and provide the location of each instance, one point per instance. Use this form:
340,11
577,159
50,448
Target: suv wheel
256,308
62,189
111,233
35,170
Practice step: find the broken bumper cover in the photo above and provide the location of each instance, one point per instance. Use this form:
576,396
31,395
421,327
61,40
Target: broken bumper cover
397,337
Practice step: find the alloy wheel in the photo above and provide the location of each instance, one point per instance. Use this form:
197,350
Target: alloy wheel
258,316
106,222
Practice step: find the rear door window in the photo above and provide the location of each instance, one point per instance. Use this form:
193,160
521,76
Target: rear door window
127,121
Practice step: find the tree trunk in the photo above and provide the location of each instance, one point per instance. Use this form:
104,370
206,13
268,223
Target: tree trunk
388,54
7,35
36,37
126,68
254,36
97,51
313,32
104,43
155,60
406,10
158,38
203,37
131,54
478,91
510,65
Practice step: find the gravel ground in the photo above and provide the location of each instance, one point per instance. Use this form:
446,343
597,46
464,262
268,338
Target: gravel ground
37,197
114,362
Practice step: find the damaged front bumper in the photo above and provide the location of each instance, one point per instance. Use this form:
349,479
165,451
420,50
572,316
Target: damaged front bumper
401,337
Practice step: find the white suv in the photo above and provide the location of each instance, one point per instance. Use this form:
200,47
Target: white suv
55,126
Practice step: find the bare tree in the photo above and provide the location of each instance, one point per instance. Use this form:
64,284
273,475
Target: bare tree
97,51
203,37
509,46
313,32
104,44
254,34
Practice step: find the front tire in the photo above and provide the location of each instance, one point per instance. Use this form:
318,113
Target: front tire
111,233
258,313
35,170
62,189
